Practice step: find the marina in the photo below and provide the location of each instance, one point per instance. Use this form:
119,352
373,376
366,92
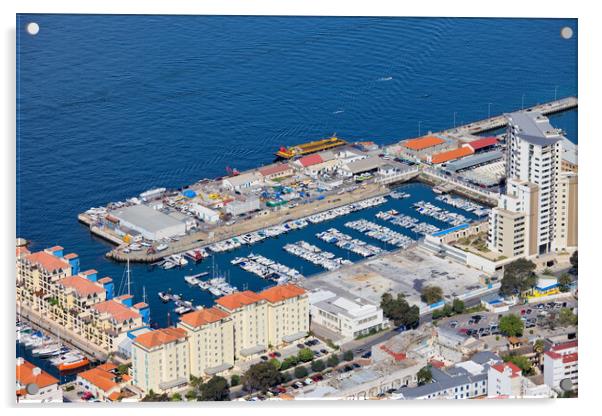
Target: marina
380,233
464,204
315,255
346,242
267,269
405,221
441,214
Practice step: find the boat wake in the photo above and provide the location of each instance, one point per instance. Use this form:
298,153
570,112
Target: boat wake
385,79
338,112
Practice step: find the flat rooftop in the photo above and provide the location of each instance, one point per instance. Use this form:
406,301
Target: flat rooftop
145,217
406,272
535,127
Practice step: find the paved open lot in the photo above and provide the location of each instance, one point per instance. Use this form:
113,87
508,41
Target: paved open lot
406,271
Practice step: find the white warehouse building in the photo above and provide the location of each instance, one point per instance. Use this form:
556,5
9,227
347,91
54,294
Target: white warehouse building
350,318
152,224
205,214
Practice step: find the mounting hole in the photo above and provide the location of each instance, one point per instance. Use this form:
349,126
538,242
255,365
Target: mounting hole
566,32
33,28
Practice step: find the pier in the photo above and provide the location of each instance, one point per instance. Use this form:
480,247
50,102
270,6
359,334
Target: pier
500,121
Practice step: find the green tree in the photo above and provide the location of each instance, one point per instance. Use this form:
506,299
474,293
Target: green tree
518,277
305,355
234,380
317,366
573,260
176,397
424,375
566,317
431,294
511,325
333,360
348,355
564,282
521,362
300,372
538,346
458,306
289,362
260,377
191,395
123,368
215,390
276,363
399,311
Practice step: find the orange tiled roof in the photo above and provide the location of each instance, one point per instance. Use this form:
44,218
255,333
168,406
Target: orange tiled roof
160,337
105,279
237,300
513,367
203,317
47,261
114,396
70,256
117,310
82,286
25,376
88,272
140,305
282,292
103,377
423,142
451,154
56,248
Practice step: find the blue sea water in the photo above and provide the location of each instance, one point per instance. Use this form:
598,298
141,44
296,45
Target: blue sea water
109,106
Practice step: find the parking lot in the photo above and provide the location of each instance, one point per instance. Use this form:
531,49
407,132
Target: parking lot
483,324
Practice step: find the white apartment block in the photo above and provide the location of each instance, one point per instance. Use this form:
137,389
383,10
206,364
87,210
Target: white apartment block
505,381
533,168
561,362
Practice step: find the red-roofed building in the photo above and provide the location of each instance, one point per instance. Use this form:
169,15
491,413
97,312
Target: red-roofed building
505,380
310,160
281,293
83,289
480,144
47,262
104,382
276,171
561,362
454,154
237,300
35,385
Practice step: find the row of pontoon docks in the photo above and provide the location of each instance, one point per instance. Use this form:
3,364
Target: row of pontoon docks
405,221
464,204
346,242
426,208
267,268
217,286
381,233
276,230
315,255
46,347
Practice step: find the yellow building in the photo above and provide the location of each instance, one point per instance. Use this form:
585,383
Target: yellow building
210,339
160,360
50,287
288,313
249,314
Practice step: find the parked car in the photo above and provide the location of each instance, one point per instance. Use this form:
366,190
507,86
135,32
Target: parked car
264,357
300,346
277,354
356,365
453,324
323,351
367,354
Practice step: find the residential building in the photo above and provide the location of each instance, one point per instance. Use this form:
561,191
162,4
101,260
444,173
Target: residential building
288,313
561,362
104,382
211,341
350,318
533,166
161,360
250,317
35,385
567,209
465,380
505,380
51,286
